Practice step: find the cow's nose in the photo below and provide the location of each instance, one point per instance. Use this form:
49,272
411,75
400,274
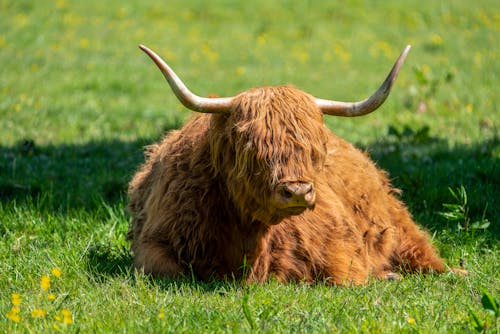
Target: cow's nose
297,194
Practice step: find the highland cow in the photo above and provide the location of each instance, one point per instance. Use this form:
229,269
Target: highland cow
256,187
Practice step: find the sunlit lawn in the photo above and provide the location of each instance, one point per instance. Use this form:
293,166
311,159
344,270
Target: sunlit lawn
78,101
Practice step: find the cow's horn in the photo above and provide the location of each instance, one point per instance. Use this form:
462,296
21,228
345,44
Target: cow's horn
351,109
187,98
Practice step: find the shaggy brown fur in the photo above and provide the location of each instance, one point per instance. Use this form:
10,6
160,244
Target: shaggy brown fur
202,202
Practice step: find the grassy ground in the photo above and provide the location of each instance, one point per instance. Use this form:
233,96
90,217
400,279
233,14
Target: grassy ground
78,101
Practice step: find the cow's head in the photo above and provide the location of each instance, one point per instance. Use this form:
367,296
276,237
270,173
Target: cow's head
270,142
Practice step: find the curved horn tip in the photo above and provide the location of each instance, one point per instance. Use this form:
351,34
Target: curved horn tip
405,52
145,49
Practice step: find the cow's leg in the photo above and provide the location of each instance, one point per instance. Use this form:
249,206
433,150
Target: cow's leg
153,259
414,252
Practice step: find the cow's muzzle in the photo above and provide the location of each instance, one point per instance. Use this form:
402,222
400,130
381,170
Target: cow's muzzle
295,196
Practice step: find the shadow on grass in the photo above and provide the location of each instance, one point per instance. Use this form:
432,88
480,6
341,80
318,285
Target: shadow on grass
70,177
426,168
107,261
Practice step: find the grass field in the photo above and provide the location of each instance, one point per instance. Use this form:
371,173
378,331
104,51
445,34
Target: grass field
78,101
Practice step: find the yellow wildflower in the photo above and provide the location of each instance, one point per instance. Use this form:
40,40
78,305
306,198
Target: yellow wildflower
61,4
209,53
240,70
16,299
469,108
436,40
21,20
262,39
45,282
67,319
38,313
301,55
56,272
13,314
84,43
139,34
341,52
411,320
187,15
161,314
478,59
382,47
426,69
51,296
169,54
121,13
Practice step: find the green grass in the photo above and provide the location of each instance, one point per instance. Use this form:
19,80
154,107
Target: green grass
78,101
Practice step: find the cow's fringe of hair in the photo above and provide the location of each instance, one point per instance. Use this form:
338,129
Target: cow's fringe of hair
264,147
